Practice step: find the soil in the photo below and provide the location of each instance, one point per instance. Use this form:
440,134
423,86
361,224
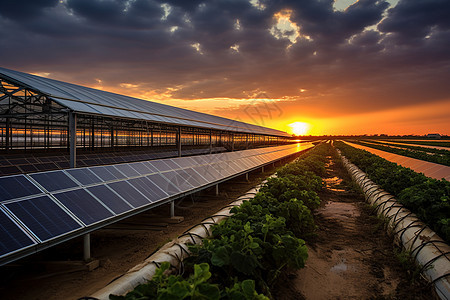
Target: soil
351,256
58,273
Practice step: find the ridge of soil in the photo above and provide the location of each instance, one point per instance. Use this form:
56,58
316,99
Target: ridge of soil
351,257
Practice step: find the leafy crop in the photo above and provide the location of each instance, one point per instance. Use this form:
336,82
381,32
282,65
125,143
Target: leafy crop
250,249
428,198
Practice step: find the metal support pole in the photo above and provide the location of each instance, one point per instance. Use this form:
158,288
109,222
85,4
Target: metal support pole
179,141
210,141
7,134
86,246
73,139
232,142
217,189
247,141
262,169
172,209
246,176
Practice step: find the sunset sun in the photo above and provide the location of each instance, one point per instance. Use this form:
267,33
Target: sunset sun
299,128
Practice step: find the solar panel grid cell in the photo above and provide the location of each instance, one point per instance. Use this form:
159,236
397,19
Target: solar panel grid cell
84,206
43,217
129,193
54,180
148,188
110,199
17,186
12,236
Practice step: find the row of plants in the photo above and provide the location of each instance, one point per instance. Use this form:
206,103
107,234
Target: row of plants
428,198
248,251
427,143
413,147
443,159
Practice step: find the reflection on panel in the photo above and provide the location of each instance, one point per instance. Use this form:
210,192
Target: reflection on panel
110,199
84,176
129,193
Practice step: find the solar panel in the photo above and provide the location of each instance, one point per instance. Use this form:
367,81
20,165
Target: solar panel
127,170
178,181
160,165
172,164
107,173
129,193
142,168
17,186
110,199
165,185
43,217
54,180
148,188
204,171
185,162
12,237
84,176
84,206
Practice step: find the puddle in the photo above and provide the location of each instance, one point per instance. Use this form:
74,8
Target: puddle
332,183
339,268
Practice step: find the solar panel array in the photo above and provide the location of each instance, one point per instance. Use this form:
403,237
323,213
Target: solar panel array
11,164
47,206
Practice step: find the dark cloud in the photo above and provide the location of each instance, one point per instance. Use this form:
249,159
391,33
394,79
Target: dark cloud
341,59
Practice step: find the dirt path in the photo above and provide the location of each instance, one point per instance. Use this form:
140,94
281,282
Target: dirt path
351,257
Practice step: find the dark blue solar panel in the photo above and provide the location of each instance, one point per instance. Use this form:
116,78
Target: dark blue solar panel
129,193
84,206
84,176
107,173
172,164
17,186
148,188
43,217
127,170
54,181
164,184
178,180
12,237
110,199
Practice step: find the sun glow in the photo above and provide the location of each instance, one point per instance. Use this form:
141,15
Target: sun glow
299,128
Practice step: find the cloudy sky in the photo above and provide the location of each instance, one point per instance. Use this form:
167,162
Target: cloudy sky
344,67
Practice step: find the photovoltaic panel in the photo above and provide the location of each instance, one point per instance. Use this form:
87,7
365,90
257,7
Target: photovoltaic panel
204,171
43,217
54,180
193,178
129,193
16,186
160,165
148,188
141,168
127,170
173,165
110,199
178,181
84,206
185,162
107,173
164,184
84,176
12,237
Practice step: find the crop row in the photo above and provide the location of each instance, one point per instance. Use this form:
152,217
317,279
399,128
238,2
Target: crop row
428,198
247,252
426,143
439,158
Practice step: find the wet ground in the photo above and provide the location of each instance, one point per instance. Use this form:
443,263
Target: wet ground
351,257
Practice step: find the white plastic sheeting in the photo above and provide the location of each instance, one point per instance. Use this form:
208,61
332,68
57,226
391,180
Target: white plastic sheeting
87,100
429,251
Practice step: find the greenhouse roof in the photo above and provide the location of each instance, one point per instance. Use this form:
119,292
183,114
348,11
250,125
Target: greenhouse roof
86,100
